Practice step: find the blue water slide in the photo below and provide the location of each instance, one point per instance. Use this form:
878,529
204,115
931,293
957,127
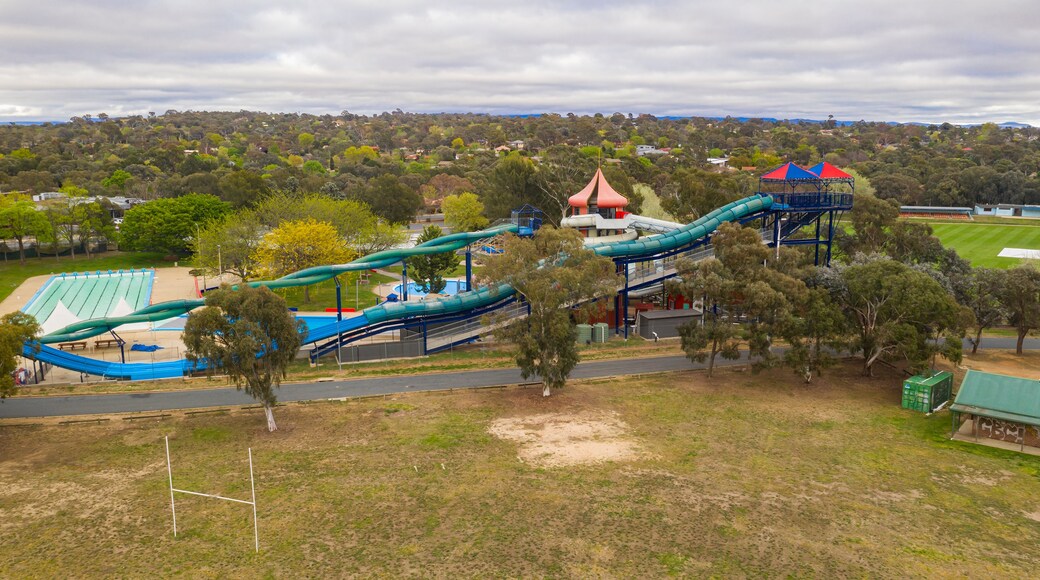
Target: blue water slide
649,246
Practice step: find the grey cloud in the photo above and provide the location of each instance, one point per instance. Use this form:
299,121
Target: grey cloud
888,60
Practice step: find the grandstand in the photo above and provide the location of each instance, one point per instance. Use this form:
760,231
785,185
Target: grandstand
69,298
936,212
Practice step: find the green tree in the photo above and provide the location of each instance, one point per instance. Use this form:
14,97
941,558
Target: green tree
96,223
512,182
355,222
710,283
66,214
297,245
250,335
913,243
228,244
464,212
693,193
215,139
1021,299
553,272
390,199
358,155
16,328
895,310
871,220
19,219
306,141
377,236
744,296
902,188
817,329
981,291
118,179
241,188
314,166
428,270
169,224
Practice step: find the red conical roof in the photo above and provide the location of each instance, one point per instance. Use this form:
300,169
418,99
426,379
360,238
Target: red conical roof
598,192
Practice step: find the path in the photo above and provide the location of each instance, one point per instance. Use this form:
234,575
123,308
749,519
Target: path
161,401
187,399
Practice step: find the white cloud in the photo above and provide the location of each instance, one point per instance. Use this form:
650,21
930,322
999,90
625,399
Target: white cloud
884,60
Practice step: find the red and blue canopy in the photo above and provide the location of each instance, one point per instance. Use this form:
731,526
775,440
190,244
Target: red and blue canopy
827,171
789,172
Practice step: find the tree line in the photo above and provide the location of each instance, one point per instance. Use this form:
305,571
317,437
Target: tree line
894,295
398,163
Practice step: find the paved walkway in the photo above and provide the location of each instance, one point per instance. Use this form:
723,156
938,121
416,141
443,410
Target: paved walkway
21,295
187,399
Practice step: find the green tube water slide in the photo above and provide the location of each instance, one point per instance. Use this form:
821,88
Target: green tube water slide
165,310
647,247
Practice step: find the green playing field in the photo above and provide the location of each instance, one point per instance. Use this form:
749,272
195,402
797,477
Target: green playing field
981,243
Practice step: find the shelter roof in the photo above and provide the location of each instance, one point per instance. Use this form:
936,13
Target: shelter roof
827,171
598,191
999,396
789,172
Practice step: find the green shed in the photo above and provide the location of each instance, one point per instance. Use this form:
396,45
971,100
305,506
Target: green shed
997,407
926,393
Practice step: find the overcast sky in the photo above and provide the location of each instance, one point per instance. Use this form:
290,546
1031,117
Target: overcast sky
961,61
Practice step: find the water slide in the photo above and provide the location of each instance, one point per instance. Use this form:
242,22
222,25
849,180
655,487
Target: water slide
628,222
647,247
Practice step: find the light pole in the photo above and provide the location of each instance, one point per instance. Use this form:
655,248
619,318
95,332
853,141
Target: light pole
357,292
198,240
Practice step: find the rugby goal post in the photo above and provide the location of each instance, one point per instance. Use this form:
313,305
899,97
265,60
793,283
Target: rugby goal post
252,488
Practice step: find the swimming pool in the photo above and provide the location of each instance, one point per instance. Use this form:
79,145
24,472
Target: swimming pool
452,288
68,298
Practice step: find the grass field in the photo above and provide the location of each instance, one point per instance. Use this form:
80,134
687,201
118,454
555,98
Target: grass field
323,294
12,274
980,243
738,476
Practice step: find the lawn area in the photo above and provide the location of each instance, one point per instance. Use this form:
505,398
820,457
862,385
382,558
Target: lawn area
458,272
12,274
323,295
980,243
740,475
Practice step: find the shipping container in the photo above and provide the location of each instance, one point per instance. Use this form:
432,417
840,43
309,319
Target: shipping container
926,393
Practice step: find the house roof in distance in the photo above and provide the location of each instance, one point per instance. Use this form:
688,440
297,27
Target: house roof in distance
599,193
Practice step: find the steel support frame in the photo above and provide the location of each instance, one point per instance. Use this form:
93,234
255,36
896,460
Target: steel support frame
404,281
469,269
400,324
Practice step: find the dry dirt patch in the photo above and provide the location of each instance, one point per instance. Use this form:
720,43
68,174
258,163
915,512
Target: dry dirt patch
568,439
1025,365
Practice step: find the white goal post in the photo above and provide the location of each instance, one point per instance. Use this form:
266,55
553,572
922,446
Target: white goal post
252,487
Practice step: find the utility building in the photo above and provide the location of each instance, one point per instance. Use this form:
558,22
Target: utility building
998,410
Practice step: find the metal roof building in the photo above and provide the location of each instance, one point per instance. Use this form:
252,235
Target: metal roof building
998,408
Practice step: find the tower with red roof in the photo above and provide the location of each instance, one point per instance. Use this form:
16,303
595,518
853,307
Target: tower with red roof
598,197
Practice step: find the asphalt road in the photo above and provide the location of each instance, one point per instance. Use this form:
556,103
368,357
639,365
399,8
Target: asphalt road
54,406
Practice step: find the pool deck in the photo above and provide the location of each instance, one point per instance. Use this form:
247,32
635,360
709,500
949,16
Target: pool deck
173,283
21,295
